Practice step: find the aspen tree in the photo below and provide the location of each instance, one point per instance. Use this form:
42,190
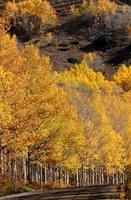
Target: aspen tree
41,113
29,13
91,93
123,77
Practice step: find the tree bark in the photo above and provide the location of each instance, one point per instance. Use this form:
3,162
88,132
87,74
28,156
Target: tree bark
29,168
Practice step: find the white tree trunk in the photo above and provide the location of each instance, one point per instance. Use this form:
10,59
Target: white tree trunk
41,176
77,178
25,170
45,169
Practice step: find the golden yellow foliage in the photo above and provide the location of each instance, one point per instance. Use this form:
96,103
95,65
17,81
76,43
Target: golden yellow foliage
123,77
38,8
38,112
10,55
105,110
83,75
107,140
88,121
5,85
96,8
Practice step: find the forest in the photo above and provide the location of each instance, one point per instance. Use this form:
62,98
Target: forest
65,94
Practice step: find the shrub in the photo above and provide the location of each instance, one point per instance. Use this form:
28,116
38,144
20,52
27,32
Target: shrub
7,184
57,185
47,39
95,9
41,9
123,77
31,15
10,187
